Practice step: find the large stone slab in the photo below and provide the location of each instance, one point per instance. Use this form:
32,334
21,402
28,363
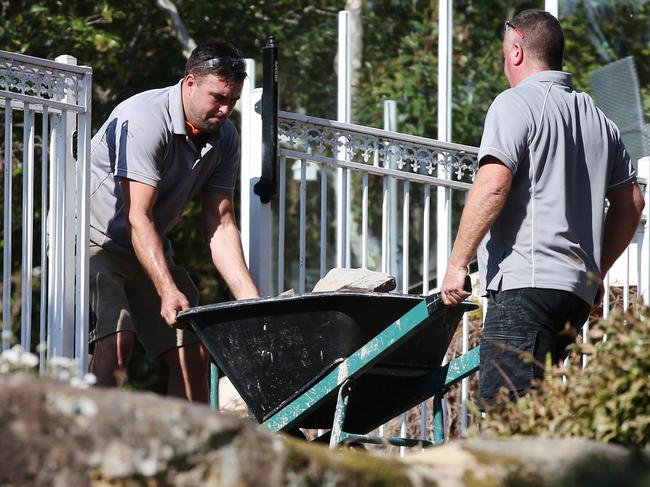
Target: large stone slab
355,280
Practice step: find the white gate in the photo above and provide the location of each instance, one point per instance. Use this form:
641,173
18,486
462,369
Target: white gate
46,108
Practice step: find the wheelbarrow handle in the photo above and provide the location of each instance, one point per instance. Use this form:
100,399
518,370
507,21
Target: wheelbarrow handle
468,284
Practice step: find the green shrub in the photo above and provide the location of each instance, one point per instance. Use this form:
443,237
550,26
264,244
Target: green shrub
608,400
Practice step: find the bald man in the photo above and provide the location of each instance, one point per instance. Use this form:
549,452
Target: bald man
549,160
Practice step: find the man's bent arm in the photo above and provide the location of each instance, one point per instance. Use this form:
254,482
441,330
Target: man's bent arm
139,200
224,239
621,222
485,201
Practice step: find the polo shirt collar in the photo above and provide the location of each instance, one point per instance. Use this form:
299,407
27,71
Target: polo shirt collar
176,108
559,77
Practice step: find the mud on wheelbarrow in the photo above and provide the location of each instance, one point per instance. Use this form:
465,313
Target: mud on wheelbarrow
289,356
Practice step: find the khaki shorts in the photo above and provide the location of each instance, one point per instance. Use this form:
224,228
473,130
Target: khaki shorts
123,298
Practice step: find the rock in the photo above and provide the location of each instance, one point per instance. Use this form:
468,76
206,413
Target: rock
55,435
533,462
229,399
355,280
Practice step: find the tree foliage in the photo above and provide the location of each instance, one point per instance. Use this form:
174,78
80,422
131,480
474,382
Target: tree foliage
400,56
128,52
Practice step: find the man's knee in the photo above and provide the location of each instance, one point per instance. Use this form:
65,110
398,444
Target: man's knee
192,358
188,372
114,351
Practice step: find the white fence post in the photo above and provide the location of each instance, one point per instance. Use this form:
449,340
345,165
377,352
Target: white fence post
643,235
256,218
82,289
27,261
247,110
443,203
7,225
65,227
392,267
343,115
552,7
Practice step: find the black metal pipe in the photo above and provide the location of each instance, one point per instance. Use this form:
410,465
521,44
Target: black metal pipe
265,187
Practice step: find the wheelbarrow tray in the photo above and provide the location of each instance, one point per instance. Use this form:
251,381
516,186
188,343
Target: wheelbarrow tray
275,349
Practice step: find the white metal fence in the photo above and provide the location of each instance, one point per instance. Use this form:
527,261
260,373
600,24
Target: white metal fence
364,200
46,108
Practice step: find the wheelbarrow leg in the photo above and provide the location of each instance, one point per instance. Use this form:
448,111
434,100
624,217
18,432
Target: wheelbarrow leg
438,420
214,386
339,414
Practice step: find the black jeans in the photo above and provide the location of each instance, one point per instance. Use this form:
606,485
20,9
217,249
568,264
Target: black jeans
521,327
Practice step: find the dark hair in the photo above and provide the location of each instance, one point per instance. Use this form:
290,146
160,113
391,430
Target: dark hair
543,36
219,58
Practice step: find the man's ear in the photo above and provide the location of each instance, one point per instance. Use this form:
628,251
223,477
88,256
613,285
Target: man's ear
190,80
517,54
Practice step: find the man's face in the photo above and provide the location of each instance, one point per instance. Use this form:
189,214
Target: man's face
210,101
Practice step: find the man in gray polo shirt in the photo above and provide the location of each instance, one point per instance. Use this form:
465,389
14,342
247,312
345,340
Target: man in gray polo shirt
156,151
548,161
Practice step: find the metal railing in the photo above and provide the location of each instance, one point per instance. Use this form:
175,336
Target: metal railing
49,104
382,178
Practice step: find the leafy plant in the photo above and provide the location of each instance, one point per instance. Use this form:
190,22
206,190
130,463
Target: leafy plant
608,400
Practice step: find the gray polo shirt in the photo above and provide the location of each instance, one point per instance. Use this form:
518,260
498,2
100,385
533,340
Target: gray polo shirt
144,140
564,155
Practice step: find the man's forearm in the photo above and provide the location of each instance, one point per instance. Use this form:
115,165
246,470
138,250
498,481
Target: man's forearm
484,203
148,249
228,258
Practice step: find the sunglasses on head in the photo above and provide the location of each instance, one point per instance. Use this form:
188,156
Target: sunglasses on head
507,24
236,64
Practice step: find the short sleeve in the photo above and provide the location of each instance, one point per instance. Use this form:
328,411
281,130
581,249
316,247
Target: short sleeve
507,129
622,171
224,176
139,141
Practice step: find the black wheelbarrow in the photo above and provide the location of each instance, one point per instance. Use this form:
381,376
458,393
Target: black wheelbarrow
288,357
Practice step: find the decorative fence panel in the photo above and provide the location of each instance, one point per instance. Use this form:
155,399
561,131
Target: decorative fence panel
46,110
383,220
